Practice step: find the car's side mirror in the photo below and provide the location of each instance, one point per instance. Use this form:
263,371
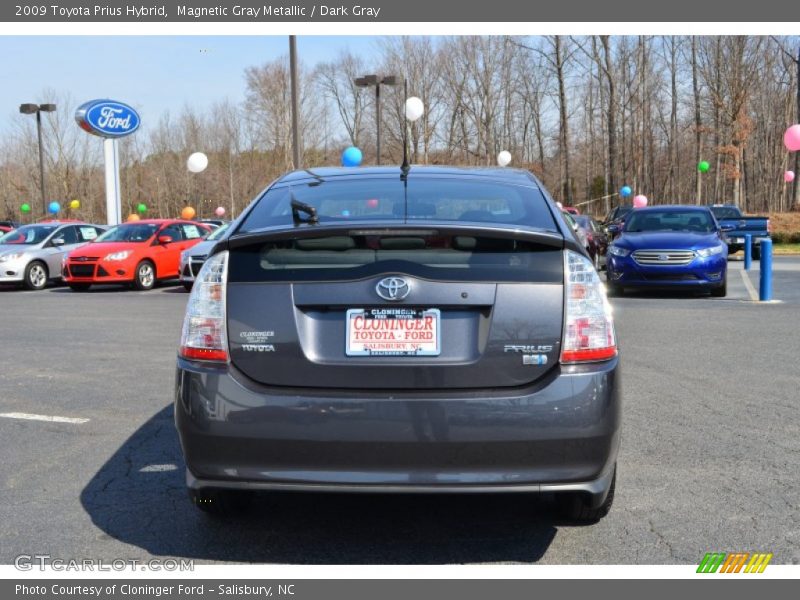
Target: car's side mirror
726,228
613,228
165,239
57,241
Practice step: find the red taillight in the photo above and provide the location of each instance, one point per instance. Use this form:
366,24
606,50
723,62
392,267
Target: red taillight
588,326
769,226
204,354
204,335
589,355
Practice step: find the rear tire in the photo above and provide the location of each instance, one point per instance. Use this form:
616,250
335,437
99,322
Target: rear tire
188,285
79,287
756,252
614,290
577,507
36,276
220,502
144,277
721,290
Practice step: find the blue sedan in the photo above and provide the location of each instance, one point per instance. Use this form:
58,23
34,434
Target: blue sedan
669,247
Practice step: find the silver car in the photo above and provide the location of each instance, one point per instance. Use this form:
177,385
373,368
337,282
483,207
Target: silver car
32,254
193,258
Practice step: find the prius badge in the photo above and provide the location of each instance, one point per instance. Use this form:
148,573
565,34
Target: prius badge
393,289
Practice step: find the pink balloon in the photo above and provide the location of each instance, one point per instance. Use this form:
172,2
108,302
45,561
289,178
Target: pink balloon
788,176
791,138
220,212
639,201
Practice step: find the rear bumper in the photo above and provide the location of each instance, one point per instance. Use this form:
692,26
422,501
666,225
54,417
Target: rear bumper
736,241
560,436
700,273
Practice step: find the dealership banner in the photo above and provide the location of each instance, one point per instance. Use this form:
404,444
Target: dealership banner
337,589
370,11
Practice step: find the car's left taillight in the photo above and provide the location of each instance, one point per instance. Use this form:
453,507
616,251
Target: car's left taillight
204,335
588,325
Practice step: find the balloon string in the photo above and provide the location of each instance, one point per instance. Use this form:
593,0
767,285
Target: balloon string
596,199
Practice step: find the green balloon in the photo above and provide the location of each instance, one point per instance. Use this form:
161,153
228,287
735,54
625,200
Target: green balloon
141,207
26,208
703,166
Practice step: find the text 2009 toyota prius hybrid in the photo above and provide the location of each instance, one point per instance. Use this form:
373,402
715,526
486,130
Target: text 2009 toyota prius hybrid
389,330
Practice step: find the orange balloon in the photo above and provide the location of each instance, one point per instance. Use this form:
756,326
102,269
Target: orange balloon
188,213
133,217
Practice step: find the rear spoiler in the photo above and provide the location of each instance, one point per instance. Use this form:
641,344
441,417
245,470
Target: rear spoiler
545,238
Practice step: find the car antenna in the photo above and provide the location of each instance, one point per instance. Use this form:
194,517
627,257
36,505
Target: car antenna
298,207
405,167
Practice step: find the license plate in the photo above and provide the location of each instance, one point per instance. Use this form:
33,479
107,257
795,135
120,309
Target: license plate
393,332
738,240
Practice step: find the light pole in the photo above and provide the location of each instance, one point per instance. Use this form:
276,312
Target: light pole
377,81
38,109
295,109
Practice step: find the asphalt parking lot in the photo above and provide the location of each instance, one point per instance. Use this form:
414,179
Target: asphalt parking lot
709,458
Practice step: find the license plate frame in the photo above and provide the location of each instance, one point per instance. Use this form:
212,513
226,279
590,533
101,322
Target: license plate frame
399,345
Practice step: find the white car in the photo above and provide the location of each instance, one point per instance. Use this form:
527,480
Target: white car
32,254
193,258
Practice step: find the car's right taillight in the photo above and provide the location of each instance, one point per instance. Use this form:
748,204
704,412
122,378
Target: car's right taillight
588,324
204,335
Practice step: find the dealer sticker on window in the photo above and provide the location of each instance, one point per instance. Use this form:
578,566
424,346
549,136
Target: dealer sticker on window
393,332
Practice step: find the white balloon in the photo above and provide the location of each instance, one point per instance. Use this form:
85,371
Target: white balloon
559,205
414,108
197,162
504,158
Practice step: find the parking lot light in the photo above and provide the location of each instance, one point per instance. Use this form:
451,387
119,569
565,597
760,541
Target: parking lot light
377,81
37,109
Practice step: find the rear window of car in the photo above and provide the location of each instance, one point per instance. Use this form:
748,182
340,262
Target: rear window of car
428,199
726,212
422,254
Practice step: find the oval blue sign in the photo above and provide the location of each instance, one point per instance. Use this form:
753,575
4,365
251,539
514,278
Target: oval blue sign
107,118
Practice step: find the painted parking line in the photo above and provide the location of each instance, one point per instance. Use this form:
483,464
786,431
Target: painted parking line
47,418
750,289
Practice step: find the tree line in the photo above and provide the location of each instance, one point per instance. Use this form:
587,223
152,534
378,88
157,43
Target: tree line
586,114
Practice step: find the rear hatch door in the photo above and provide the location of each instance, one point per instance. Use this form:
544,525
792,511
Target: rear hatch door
395,308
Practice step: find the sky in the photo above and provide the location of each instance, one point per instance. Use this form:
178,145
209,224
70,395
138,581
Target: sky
152,73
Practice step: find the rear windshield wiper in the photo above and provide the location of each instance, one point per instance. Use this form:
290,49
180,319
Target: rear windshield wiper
298,207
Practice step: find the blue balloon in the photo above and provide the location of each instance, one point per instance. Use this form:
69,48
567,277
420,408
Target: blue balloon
625,191
54,207
351,157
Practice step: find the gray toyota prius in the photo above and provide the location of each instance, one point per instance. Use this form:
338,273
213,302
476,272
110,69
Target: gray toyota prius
409,330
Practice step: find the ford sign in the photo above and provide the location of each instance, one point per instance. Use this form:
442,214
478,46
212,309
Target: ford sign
107,118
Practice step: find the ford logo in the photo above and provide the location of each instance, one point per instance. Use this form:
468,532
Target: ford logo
393,288
663,257
107,118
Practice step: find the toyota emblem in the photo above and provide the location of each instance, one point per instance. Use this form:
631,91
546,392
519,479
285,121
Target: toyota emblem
393,288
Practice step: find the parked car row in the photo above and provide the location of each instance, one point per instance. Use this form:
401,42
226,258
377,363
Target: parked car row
139,253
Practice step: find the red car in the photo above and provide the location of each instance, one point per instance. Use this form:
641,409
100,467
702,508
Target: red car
138,253
572,210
